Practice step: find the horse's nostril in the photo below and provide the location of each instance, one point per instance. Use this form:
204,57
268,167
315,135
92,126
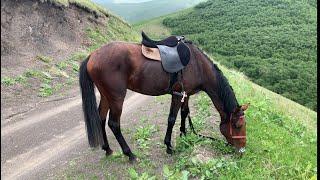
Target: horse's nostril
242,150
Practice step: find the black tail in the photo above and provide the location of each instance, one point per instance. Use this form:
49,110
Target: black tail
89,106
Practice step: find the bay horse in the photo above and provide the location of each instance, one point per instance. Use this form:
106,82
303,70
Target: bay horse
118,66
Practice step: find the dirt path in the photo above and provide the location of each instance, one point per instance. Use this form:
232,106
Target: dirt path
33,144
49,142
144,134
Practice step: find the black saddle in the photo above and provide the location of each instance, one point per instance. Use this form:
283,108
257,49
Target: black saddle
174,53
170,41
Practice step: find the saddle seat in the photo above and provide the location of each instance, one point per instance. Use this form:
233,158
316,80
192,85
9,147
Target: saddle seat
172,51
170,41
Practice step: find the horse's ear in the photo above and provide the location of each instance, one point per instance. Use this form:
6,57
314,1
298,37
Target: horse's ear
245,106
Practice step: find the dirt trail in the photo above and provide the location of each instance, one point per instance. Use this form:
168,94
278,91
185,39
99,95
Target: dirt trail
49,136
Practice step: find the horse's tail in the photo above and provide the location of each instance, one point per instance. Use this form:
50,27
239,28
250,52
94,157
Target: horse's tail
89,106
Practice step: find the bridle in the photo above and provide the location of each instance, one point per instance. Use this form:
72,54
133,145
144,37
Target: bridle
241,119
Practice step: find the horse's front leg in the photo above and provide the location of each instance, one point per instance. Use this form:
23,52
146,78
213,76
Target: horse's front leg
174,108
184,113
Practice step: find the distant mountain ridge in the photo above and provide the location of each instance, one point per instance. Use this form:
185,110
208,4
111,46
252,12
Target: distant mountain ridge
134,12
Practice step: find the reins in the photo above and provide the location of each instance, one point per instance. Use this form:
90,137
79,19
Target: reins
212,138
200,135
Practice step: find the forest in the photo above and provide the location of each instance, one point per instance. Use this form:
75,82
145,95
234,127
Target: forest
272,42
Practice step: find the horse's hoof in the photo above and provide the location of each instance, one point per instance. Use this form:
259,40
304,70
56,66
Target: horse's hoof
169,151
108,152
133,159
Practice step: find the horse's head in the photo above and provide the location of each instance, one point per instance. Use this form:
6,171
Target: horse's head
234,129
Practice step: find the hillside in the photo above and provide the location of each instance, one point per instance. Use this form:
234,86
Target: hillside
282,134
272,42
42,44
134,12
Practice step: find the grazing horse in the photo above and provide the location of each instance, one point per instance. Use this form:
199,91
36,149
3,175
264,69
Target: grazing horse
118,66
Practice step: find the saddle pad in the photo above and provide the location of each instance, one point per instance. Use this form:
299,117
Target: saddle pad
184,53
151,53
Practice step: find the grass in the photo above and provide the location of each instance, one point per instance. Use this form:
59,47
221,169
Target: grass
44,59
143,135
8,81
134,175
155,28
63,74
278,146
281,134
45,90
116,30
86,5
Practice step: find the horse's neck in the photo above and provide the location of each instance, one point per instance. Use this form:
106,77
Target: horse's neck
211,88
218,103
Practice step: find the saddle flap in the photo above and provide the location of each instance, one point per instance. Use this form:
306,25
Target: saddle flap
151,53
170,59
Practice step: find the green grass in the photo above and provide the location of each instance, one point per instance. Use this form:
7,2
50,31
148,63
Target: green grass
134,12
279,146
66,71
154,26
8,81
45,90
136,176
281,134
86,5
143,135
44,59
116,30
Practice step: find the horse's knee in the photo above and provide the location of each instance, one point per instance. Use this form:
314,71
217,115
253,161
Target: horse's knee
171,121
184,112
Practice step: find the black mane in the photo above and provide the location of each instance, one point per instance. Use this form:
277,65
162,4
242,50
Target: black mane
225,91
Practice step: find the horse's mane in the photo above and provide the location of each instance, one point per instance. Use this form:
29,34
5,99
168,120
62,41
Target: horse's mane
225,91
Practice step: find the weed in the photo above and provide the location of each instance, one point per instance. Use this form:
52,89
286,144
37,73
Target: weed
75,66
44,58
143,134
45,90
136,176
32,73
11,81
62,65
7,81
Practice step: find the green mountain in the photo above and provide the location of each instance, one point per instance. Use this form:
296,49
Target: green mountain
273,42
133,12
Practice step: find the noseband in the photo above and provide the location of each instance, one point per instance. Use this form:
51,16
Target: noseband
241,119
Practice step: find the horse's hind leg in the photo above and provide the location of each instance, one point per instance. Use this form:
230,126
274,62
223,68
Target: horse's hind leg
114,124
103,111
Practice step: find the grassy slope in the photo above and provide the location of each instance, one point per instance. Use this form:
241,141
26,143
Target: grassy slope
134,12
282,134
272,42
59,76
